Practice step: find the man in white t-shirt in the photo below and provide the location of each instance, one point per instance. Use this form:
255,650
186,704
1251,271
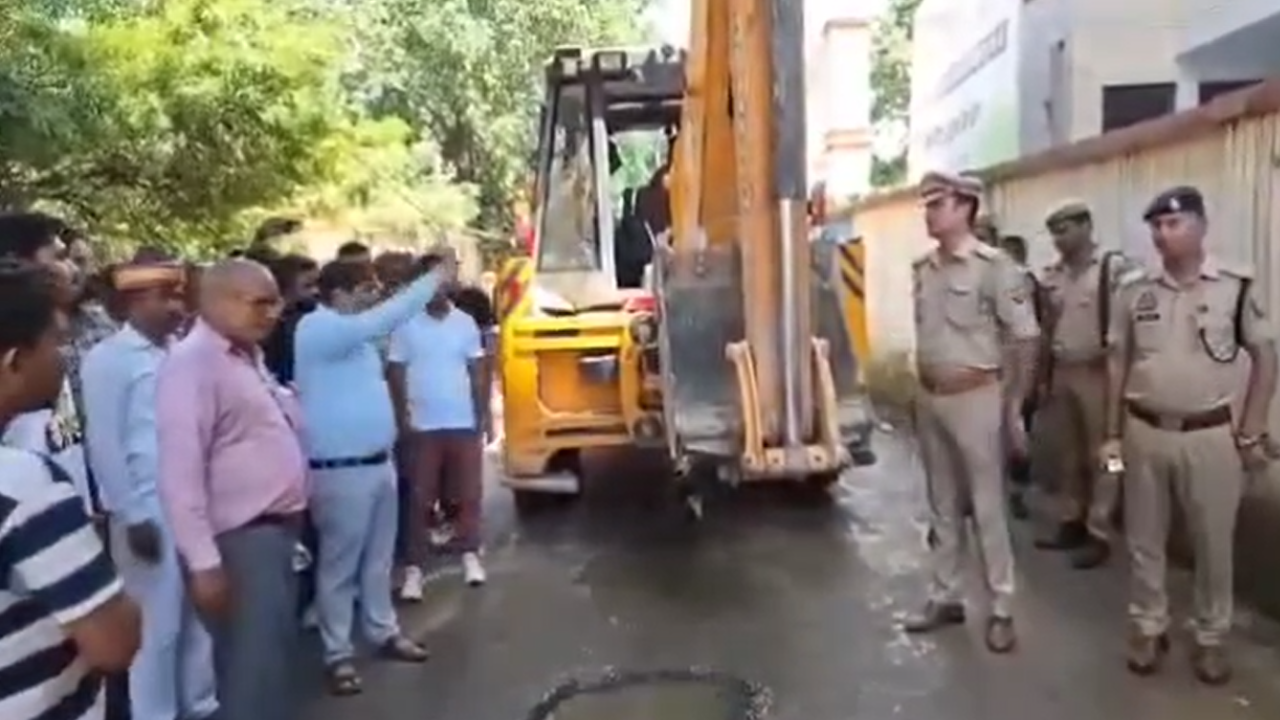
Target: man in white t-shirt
439,373
64,618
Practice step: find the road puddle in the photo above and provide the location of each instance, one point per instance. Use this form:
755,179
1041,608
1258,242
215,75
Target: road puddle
662,695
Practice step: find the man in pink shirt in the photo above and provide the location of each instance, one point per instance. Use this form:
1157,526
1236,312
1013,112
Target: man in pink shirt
233,485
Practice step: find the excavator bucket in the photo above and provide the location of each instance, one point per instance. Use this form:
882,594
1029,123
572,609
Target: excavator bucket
701,313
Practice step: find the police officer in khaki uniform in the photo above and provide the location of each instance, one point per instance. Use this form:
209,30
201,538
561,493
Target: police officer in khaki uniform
970,300
1078,291
1172,376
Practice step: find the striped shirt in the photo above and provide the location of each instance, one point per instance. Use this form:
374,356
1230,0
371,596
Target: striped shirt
53,571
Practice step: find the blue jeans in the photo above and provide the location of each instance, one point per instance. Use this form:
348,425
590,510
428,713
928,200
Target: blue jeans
354,510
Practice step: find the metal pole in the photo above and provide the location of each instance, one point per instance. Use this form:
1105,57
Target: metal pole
791,341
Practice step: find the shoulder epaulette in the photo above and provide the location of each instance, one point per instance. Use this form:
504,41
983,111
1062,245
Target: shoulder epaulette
986,252
1244,272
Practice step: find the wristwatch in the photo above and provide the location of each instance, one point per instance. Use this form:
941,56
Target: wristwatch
1243,442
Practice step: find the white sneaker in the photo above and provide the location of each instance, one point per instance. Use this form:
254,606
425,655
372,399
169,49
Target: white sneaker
411,586
472,570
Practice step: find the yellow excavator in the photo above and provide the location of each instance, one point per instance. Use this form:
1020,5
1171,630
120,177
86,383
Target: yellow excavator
686,317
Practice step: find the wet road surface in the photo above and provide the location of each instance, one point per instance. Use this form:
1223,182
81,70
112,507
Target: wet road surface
797,598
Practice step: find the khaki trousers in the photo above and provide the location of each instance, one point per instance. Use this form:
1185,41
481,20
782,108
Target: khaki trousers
960,440
1201,470
1085,492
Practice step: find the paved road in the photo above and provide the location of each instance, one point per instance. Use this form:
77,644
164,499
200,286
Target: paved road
799,599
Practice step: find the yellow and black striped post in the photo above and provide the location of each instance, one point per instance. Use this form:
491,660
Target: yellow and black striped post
853,283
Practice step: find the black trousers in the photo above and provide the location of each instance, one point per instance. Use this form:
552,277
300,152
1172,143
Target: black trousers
1020,468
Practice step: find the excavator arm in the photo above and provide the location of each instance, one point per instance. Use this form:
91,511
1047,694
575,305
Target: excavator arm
749,377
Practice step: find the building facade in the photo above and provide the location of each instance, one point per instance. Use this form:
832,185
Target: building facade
838,84
993,80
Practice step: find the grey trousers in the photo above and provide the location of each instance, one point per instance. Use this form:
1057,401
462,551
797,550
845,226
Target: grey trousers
257,645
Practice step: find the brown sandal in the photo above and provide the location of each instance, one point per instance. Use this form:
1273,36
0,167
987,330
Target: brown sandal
343,680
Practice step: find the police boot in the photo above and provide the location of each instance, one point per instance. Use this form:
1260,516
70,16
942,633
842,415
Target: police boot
935,616
1093,553
1018,505
1211,664
1069,536
1146,652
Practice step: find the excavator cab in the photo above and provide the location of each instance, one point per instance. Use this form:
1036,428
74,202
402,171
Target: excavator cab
575,373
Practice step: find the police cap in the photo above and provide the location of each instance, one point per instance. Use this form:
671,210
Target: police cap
1183,198
937,184
1069,211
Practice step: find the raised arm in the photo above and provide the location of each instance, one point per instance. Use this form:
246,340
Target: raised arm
185,414
335,334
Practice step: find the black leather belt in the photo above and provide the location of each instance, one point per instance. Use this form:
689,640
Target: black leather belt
337,463
290,521
1216,417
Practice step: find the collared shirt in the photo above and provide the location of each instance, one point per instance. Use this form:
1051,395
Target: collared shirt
1076,305
229,451
967,304
437,353
339,373
119,387
1181,339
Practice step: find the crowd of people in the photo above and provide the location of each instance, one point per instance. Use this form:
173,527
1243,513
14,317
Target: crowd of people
1133,375
197,461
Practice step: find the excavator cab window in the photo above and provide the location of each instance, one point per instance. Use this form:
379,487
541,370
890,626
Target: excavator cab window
600,107
567,240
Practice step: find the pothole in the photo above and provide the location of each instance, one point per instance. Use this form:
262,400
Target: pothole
690,694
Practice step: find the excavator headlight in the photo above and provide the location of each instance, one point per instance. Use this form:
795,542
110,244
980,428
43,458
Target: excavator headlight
644,329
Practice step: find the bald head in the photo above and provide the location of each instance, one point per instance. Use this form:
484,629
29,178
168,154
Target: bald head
239,298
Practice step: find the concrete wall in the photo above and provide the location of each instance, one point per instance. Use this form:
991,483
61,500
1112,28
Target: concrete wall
1227,149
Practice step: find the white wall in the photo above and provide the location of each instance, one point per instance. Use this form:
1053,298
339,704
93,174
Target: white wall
1214,19
966,107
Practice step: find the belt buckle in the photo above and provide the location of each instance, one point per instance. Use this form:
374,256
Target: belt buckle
1170,423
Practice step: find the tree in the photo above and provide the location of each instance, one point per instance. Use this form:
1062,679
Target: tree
186,122
466,72
891,84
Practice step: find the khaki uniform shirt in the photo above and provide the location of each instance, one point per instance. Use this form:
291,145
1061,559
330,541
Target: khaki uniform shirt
966,304
1182,340
1074,305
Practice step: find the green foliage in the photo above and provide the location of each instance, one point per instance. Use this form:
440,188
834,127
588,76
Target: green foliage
185,122
467,72
891,82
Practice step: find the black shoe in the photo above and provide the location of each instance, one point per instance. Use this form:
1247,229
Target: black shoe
935,616
1211,664
1018,506
1094,553
1146,653
1070,536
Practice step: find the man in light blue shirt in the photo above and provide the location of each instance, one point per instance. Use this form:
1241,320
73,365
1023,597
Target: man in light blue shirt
351,428
439,365
172,674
